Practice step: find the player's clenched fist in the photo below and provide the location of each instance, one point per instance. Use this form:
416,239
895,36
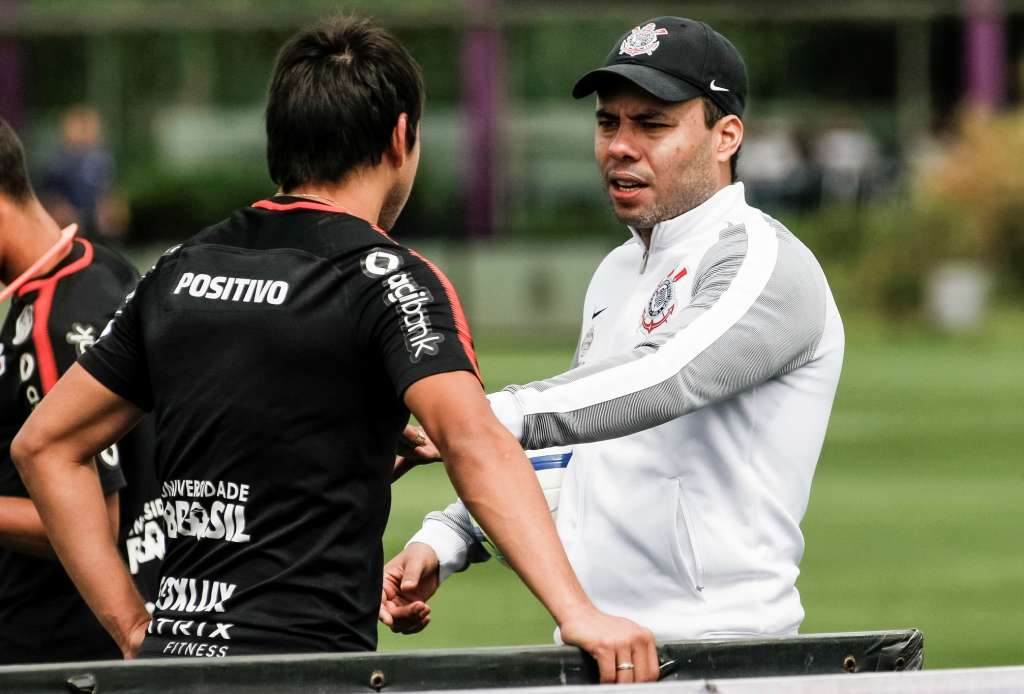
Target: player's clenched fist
624,651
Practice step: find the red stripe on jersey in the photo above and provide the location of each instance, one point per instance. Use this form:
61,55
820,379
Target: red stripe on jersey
317,206
461,324
47,286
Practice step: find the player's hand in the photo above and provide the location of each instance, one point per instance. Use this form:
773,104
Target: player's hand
410,579
614,643
133,640
414,448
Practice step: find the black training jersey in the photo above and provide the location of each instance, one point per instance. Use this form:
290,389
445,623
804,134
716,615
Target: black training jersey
52,320
274,350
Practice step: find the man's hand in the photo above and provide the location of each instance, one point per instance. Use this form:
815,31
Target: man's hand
413,448
410,579
624,651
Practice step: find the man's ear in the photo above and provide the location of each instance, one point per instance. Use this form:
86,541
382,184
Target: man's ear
730,137
398,149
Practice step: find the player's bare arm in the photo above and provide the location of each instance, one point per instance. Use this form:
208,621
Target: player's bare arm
22,530
54,454
487,467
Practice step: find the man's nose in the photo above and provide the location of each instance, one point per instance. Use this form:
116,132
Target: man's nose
623,146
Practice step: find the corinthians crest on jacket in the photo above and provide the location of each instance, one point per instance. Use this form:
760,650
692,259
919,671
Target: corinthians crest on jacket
642,40
662,303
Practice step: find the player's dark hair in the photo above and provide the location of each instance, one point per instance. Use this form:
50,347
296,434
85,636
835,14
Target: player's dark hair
13,174
712,114
335,97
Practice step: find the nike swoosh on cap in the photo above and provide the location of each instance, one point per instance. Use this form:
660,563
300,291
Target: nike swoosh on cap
716,88
598,313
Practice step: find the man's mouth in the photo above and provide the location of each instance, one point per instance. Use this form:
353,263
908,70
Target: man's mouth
625,186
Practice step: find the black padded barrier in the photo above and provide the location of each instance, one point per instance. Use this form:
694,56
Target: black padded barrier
475,668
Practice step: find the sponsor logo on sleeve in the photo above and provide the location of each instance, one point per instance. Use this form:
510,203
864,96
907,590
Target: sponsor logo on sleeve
81,337
26,369
23,326
380,262
237,289
26,366
410,301
111,457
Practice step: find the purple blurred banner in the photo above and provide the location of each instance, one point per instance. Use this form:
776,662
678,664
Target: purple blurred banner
11,95
482,96
985,52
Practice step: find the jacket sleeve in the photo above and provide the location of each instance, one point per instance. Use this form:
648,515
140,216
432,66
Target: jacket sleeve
757,310
454,538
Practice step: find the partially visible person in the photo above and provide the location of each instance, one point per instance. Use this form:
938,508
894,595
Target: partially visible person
79,182
709,356
54,317
281,351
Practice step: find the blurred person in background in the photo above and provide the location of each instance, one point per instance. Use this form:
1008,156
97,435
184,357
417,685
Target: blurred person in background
282,351
78,183
708,360
55,316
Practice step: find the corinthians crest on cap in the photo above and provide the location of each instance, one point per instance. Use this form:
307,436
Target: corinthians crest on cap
642,40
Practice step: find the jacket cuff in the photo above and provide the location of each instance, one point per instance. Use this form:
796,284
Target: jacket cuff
509,411
451,549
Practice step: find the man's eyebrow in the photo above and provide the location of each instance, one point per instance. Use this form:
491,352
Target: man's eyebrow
640,117
649,114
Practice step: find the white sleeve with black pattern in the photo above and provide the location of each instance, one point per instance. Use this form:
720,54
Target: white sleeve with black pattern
757,310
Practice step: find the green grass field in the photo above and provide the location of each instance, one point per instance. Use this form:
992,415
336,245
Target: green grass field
916,516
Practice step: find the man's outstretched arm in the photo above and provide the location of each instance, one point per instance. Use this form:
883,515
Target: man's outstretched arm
494,479
54,453
758,308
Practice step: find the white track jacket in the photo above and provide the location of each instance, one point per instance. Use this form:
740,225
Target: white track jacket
706,371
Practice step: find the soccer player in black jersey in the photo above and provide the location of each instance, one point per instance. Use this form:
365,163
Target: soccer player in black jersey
281,351
55,315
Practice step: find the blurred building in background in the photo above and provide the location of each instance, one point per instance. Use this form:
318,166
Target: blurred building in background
848,100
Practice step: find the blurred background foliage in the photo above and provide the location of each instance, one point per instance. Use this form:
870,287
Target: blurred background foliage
854,135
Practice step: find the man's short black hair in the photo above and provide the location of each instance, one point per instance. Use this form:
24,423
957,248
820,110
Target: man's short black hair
712,114
335,97
13,174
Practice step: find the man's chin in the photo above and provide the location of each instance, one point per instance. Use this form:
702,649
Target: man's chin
632,216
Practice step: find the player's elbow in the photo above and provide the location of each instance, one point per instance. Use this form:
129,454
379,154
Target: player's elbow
27,448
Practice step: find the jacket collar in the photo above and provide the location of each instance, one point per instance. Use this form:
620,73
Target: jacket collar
711,211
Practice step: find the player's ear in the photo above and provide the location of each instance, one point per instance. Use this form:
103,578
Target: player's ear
729,132
5,216
398,148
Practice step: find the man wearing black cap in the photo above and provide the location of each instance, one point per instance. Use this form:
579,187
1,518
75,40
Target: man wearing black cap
709,356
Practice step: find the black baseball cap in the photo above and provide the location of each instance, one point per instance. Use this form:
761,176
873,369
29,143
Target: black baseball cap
675,59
